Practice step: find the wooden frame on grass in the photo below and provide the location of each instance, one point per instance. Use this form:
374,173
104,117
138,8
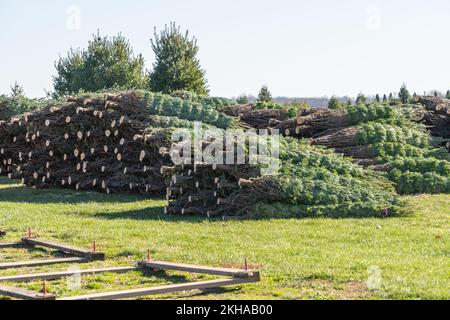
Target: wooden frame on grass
79,255
234,277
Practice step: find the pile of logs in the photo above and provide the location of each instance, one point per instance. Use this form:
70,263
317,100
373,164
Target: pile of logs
437,117
347,137
3,110
102,144
256,118
308,123
213,189
216,190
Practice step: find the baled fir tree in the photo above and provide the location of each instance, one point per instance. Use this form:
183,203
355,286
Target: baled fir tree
106,63
176,66
404,95
264,94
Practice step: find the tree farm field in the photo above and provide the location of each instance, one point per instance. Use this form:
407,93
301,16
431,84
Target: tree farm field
308,258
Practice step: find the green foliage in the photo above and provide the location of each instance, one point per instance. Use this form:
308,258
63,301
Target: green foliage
166,105
328,183
447,95
293,108
264,95
216,103
11,106
386,151
176,66
243,99
422,165
361,99
416,183
17,90
106,63
334,103
377,98
361,113
373,132
404,95
172,122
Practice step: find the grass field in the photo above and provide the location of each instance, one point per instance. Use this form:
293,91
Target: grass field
300,259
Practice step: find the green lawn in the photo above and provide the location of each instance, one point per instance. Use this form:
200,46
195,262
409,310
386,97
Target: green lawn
315,258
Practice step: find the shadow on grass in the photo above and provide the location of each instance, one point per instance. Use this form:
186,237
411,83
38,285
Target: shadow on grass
162,274
152,213
22,194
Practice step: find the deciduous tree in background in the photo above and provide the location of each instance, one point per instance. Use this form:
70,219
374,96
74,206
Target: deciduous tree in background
106,63
176,66
264,94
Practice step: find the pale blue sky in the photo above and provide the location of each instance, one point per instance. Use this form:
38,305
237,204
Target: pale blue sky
298,48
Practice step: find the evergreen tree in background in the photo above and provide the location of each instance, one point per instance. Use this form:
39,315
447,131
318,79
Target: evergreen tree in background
333,103
264,95
377,98
404,94
391,97
447,95
17,90
176,66
106,63
242,99
361,99
349,103
384,98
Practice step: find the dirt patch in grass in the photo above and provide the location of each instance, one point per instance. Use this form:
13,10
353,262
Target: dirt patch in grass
355,290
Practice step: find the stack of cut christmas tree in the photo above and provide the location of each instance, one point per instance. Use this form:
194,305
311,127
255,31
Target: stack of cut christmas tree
437,116
379,136
311,181
102,143
106,142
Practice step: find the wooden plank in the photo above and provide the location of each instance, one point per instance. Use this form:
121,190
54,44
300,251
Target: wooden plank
35,263
64,248
135,293
10,245
237,273
24,294
63,274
